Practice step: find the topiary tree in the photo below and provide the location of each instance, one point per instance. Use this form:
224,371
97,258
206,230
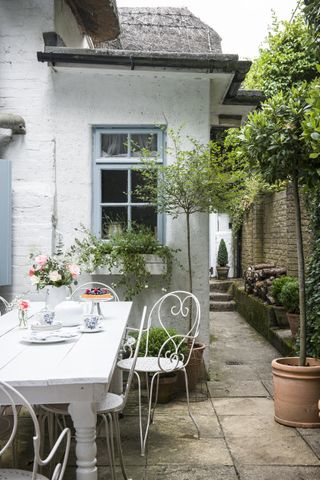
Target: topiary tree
200,180
222,254
273,142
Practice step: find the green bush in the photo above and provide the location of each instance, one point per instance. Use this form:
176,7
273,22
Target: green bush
222,254
277,286
157,337
289,296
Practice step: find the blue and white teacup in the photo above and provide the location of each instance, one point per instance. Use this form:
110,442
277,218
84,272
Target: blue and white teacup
91,321
46,317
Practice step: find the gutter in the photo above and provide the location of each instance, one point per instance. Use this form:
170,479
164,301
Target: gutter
203,63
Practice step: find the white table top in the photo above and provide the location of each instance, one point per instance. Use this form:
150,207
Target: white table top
89,359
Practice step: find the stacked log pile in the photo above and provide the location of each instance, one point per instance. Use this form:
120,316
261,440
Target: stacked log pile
259,278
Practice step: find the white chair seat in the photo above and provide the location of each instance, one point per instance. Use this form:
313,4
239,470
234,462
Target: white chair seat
13,474
112,402
150,364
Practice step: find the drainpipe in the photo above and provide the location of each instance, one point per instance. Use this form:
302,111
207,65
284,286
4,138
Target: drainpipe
14,122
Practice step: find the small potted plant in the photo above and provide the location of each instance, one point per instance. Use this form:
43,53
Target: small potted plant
222,260
289,298
154,340
278,307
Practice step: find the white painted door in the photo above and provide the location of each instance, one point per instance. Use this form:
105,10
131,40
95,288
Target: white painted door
220,227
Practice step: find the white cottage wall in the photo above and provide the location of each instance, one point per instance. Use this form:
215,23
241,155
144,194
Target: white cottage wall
52,163
84,99
25,90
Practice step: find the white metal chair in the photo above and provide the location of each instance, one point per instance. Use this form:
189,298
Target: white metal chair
172,307
6,306
111,406
10,396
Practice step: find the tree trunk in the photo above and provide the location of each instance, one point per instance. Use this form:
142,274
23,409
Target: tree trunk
301,273
189,266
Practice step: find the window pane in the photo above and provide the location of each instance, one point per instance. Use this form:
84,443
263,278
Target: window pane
114,145
144,140
145,216
114,219
137,180
114,186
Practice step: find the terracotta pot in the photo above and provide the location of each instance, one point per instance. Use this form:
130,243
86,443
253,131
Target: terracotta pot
222,272
294,320
296,392
281,316
194,367
166,387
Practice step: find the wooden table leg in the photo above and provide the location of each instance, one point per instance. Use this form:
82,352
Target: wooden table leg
84,419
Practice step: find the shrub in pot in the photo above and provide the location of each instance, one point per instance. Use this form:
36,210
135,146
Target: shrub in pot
278,308
222,260
152,341
289,297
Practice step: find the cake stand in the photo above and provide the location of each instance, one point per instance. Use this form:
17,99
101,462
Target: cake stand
95,304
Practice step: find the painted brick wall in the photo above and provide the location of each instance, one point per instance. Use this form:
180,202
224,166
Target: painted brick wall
268,233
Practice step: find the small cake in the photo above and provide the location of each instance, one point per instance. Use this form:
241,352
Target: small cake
96,294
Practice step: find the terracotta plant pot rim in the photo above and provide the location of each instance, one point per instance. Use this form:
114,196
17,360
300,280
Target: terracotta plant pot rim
291,365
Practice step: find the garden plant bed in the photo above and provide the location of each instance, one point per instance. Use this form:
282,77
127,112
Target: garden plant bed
262,318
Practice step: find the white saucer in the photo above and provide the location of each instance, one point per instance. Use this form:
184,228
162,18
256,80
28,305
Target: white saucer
91,330
47,338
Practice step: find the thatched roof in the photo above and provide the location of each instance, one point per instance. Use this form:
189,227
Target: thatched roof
163,30
97,18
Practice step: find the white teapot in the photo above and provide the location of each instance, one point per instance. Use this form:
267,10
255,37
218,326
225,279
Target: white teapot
69,313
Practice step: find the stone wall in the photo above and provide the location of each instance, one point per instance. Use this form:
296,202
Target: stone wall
268,233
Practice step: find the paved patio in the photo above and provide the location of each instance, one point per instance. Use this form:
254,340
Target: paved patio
240,439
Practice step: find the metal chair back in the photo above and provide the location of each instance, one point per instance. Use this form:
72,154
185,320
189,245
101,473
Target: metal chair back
11,397
172,308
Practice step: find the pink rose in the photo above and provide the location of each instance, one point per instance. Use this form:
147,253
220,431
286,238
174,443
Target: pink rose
24,304
41,260
31,272
74,270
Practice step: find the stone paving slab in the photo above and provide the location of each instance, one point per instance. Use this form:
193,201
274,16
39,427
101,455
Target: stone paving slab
278,472
255,426
189,472
234,388
244,406
165,450
209,426
270,450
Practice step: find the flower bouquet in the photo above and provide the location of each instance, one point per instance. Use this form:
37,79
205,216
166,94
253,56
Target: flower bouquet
54,270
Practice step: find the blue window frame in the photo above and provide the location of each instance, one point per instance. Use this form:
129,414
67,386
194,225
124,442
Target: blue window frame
5,222
116,152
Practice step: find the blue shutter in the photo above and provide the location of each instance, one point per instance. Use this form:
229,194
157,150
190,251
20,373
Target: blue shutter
5,222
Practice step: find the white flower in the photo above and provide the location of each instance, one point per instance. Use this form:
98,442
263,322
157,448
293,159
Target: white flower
146,286
54,276
34,280
163,289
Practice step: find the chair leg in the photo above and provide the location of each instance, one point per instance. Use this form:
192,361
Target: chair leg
109,450
156,399
188,402
140,413
119,446
149,413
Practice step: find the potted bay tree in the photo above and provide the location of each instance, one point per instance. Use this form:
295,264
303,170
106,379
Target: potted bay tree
222,261
273,141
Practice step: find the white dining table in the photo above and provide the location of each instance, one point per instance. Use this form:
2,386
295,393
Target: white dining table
77,371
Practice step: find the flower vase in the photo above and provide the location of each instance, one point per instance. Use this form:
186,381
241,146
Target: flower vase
23,318
55,295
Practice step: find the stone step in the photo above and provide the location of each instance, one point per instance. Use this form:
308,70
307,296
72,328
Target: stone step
220,297
223,306
220,285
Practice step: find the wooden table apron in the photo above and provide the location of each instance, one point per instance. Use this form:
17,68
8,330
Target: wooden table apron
77,372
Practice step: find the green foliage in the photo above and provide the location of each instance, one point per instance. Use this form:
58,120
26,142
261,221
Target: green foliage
288,58
277,286
124,250
273,143
222,254
311,11
313,279
157,337
289,296
311,122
